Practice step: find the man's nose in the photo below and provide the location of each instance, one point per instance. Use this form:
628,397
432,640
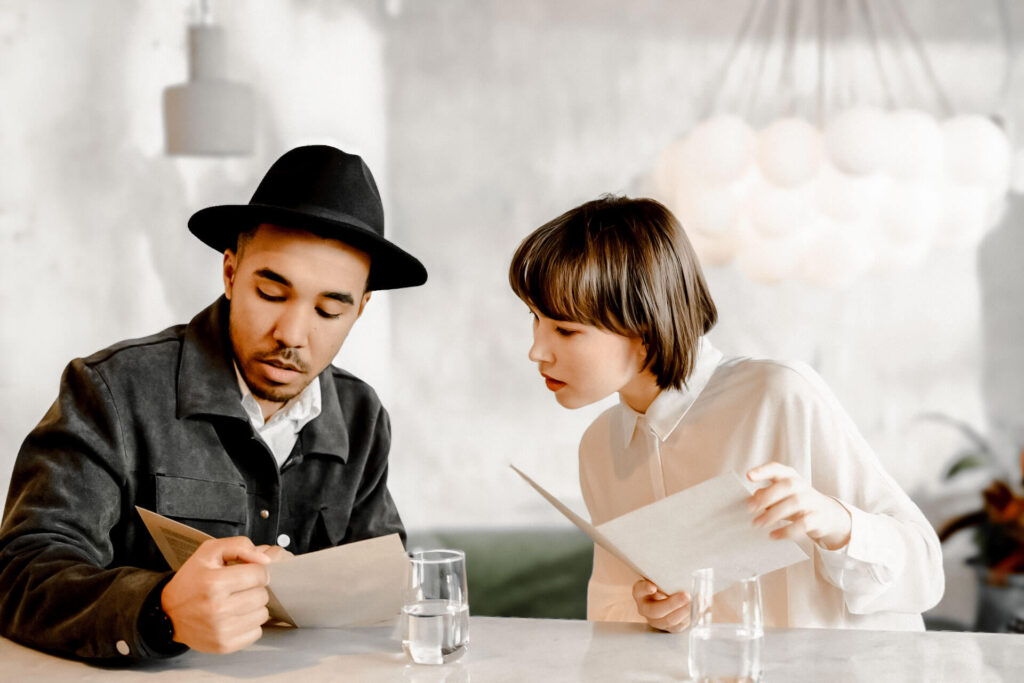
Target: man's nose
292,327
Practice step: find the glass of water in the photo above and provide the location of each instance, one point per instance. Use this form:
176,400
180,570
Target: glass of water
435,612
726,630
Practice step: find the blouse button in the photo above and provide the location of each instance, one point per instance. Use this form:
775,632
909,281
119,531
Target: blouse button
283,540
122,647
264,513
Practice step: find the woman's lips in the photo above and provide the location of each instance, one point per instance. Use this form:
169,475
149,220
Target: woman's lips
553,384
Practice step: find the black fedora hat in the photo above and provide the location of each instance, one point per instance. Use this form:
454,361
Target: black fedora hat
324,191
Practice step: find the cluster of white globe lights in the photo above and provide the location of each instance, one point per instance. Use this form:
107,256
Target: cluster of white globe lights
874,190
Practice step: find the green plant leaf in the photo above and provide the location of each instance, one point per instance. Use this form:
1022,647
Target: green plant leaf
966,461
970,433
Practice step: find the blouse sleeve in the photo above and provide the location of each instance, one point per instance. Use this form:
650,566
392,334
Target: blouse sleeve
893,562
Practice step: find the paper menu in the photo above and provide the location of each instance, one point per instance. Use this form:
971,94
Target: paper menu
707,525
352,584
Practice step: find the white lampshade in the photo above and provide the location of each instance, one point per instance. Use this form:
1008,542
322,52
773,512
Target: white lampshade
846,198
909,213
789,152
769,260
721,149
836,255
710,210
776,211
713,250
669,169
857,140
977,151
916,145
208,115
967,214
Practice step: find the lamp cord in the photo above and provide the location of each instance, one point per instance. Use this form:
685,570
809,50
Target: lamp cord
741,40
922,57
869,21
1007,84
768,21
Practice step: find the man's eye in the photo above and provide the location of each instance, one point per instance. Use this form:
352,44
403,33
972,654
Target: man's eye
268,296
327,314
565,332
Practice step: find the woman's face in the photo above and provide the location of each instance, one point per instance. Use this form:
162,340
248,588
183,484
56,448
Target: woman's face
581,363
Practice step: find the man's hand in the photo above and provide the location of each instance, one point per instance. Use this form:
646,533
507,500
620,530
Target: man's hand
217,601
790,497
275,552
665,612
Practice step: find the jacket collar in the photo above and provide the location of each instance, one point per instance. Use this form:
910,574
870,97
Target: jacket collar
327,434
668,408
207,385
206,375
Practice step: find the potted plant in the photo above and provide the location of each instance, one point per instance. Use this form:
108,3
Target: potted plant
998,528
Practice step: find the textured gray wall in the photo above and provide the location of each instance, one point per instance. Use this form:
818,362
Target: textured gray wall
481,119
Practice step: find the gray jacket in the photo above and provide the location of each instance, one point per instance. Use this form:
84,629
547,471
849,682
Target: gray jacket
157,422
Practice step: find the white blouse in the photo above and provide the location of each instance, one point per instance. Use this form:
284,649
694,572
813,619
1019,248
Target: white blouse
734,414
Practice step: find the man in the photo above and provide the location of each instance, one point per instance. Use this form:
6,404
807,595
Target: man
236,424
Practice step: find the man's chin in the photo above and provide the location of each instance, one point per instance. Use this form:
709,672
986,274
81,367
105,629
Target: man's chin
276,394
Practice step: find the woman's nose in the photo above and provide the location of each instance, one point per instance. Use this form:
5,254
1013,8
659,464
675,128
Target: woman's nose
539,351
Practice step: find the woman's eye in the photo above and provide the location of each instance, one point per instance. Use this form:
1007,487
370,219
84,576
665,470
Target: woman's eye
267,296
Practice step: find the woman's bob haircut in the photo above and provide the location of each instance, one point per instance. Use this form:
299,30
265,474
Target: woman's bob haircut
624,265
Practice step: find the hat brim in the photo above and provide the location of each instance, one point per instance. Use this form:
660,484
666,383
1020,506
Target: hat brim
391,267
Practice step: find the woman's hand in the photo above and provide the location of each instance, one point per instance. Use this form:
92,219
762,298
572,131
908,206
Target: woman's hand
790,497
665,612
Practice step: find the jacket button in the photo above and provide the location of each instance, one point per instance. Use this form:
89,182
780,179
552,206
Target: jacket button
283,540
264,513
122,647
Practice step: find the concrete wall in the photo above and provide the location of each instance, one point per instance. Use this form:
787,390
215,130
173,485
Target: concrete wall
481,119
93,214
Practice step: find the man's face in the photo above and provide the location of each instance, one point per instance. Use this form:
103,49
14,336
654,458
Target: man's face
294,298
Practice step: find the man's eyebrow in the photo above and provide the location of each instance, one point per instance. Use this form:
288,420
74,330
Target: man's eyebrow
343,297
271,275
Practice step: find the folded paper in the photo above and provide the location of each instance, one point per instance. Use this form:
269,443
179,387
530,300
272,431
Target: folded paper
352,584
707,525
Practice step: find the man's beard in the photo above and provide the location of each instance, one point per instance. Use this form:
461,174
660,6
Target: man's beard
283,356
280,395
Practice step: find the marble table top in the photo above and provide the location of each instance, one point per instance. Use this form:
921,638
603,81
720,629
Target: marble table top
558,650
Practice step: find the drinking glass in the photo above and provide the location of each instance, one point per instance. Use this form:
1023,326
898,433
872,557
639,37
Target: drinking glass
726,630
435,611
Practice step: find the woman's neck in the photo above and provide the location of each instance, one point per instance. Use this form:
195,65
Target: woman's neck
641,391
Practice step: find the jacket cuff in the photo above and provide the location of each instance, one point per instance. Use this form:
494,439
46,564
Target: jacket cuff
156,632
131,644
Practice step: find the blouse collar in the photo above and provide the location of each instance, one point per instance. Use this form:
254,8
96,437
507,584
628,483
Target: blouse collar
669,406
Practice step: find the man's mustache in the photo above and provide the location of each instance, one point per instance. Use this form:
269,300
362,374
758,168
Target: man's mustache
286,358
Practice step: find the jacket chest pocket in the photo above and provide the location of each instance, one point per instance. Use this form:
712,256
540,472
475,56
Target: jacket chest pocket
315,529
217,508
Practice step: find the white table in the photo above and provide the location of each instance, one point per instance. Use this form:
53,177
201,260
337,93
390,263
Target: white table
555,650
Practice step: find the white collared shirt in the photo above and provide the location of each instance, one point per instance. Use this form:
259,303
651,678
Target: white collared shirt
282,429
734,414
